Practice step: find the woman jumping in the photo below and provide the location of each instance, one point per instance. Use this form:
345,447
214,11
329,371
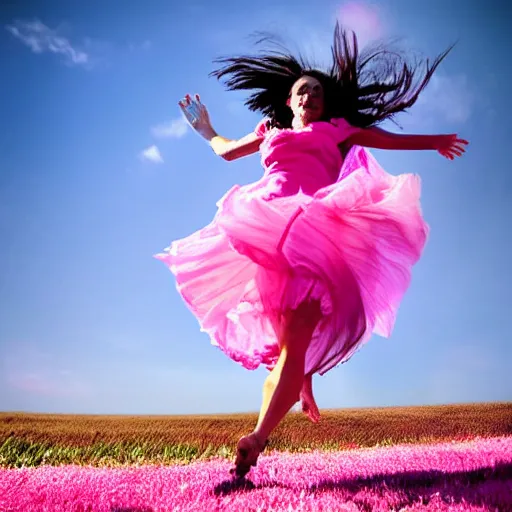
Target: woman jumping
297,270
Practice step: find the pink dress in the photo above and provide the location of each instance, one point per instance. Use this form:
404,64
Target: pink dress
314,226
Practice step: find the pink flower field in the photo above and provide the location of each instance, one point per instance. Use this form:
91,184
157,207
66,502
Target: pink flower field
458,476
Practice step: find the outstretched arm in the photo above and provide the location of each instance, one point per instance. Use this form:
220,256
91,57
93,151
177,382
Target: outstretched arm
233,149
449,146
226,148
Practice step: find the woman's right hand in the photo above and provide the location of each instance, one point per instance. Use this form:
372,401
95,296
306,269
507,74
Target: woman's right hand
199,120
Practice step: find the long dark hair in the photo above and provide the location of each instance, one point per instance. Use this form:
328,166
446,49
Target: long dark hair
364,87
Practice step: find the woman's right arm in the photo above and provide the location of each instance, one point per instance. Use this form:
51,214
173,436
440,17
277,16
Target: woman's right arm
226,148
233,149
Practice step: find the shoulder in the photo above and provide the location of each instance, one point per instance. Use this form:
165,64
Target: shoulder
262,127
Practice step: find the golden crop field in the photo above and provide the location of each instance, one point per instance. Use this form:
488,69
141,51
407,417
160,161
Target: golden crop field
32,439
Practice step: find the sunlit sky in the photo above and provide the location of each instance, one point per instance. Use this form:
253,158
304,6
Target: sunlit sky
98,172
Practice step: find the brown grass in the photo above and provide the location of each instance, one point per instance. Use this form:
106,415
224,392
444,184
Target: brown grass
337,428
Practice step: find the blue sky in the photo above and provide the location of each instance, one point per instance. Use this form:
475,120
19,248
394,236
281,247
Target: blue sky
98,173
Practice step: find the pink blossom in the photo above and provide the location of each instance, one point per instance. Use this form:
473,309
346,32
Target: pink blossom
474,475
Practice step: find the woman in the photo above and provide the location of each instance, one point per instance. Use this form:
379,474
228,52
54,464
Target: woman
297,270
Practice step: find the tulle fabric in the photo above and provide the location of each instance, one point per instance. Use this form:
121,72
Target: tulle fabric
351,245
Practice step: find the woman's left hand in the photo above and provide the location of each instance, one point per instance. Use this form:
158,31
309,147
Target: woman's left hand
451,146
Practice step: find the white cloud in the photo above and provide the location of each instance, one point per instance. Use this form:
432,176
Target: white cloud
40,39
175,128
152,154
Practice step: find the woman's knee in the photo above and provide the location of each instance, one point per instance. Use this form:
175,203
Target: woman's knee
270,382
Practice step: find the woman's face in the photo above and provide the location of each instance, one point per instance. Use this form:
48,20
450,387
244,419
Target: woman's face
307,100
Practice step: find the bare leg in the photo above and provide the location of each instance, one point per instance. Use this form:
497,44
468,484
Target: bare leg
283,385
269,386
272,379
308,402
307,399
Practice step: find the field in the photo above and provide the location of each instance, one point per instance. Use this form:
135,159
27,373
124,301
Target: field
453,457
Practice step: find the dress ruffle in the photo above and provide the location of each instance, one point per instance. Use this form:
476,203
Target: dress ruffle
351,245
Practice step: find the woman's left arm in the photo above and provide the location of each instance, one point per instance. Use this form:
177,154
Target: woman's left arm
449,146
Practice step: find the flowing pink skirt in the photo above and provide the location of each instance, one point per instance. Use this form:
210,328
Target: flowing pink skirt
351,246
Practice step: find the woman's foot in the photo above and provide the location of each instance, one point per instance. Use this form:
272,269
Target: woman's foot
247,453
309,407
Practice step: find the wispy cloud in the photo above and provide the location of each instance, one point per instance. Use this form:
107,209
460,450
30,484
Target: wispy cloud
447,99
176,128
40,39
451,97
152,153
144,46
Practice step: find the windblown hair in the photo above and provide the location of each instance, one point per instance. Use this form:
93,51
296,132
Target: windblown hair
364,88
